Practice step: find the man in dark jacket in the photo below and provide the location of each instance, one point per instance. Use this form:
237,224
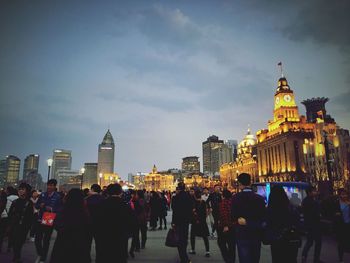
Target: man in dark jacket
114,226
93,202
312,219
182,213
214,201
49,201
20,219
248,212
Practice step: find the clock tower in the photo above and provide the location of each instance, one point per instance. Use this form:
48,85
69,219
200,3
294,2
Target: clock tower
285,108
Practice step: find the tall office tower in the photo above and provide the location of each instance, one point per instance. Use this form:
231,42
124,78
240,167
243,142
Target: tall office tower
190,164
31,165
62,160
9,170
221,154
233,144
106,155
208,146
90,175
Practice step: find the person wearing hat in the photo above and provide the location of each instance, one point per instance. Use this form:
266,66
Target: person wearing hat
20,219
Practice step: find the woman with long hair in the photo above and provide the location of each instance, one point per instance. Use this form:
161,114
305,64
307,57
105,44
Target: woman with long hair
72,226
282,220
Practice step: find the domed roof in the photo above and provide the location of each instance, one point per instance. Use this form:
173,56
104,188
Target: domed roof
249,140
282,85
108,139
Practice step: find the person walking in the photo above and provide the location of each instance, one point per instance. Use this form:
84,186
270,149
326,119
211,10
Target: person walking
20,220
282,217
248,213
341,222
93,202
142,217
115,226
312,220
73,230
49,201
214,202
4,220
199,225
155,205
226,234
34,198
182,212
135,210
163,211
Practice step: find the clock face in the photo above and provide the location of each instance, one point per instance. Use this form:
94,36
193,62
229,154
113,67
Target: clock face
277,100
287,98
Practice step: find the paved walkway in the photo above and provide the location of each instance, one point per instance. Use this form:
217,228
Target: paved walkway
156,251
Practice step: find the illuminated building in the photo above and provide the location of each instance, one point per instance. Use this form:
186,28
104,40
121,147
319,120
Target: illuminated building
296,148
106,155
30,171
190,164
208,158
221,154
159,181
90,175
62,160
9,171
68,179
246,162
139,180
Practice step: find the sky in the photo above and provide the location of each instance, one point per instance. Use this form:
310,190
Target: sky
162,75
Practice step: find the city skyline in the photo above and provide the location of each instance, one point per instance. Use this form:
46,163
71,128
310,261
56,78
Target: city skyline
162,76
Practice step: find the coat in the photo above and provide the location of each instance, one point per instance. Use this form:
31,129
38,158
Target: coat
199,224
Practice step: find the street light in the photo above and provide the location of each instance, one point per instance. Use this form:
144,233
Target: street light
100,175
82,171
110,179
49,164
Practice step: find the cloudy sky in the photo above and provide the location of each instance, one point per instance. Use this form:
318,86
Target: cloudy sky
163,75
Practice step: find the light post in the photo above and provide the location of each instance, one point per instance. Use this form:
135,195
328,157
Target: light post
100,175
82,171
49,164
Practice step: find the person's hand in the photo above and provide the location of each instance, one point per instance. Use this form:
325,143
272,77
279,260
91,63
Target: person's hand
225,229
242,221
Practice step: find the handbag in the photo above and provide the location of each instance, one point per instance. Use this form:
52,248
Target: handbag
292,237
172,238
48,218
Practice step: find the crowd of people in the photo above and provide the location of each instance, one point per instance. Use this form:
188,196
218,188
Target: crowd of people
110,217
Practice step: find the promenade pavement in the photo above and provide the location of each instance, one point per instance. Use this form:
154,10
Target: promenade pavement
156,251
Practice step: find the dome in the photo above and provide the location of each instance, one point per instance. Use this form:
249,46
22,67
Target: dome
245,146
282,85
108,138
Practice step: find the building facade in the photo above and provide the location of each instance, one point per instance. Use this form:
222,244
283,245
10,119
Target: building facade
31,171
190,164
208,147
61,160
106,155
159,181
221,154
9,171
90,176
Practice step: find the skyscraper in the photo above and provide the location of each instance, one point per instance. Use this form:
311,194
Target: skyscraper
62,160
208,146
9,170
190,164
106,155
31,164
90,175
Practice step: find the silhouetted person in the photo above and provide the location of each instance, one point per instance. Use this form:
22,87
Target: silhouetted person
281,217
20,220
248,212
73,230
93,202
312,221
142,217
226,231
182,212
114,224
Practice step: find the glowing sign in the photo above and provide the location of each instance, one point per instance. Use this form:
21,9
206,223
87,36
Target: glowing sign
106,148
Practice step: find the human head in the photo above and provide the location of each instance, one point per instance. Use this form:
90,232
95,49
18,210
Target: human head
11,191
312,191
140,194
181,186
198,194
35,194
226,194
24,190
244,180
192,192
343,194
114,189
51,185
74,198
278,198
217,188
205,191
95,188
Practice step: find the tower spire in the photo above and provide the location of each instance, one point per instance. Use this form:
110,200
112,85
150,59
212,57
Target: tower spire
281,68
